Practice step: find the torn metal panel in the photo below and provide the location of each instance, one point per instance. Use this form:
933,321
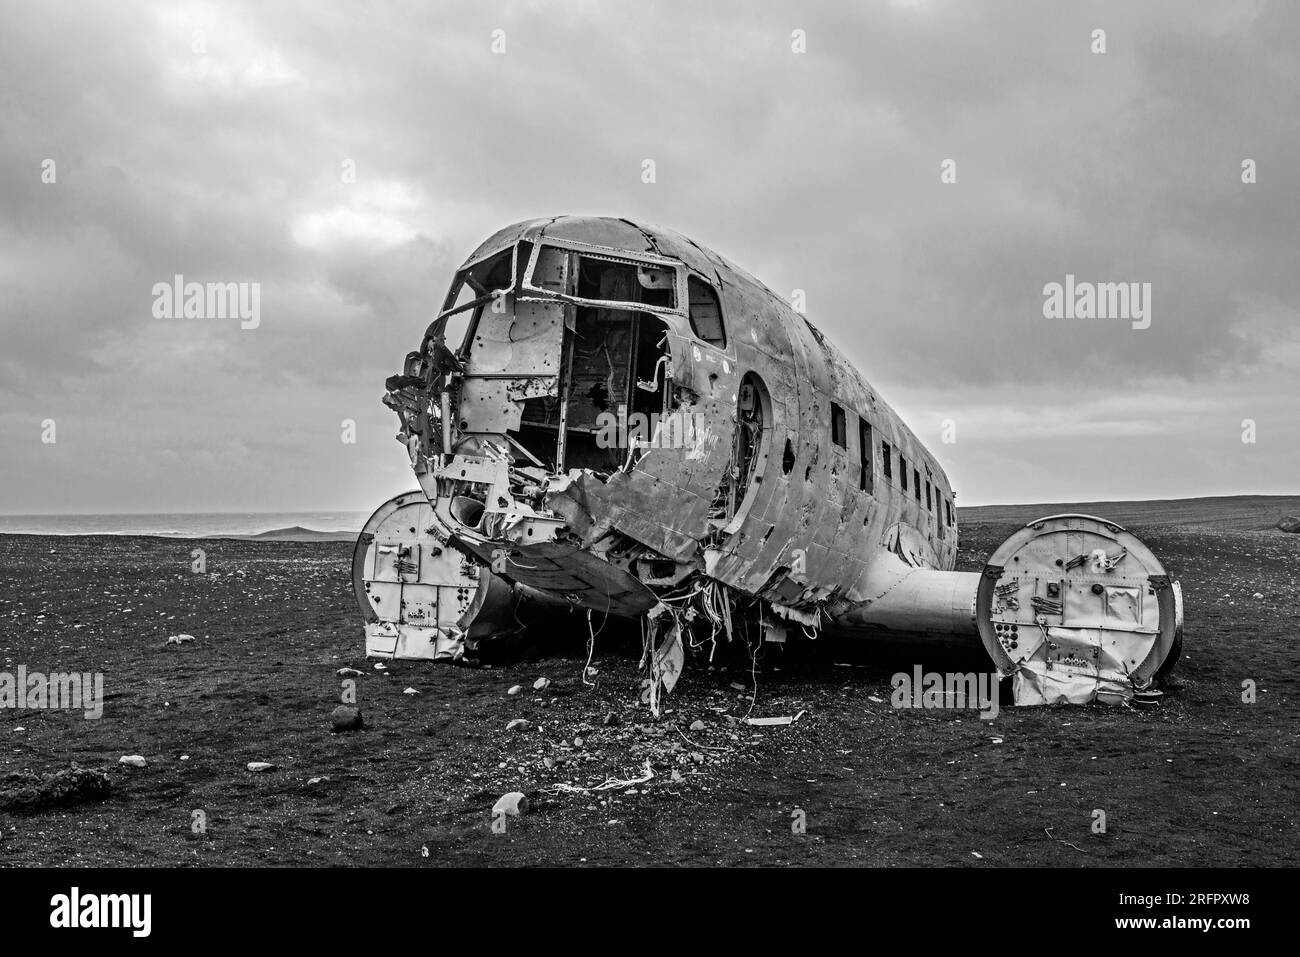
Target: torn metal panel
515,355
570,572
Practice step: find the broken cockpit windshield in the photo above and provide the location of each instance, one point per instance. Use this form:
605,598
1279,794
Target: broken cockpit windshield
476,286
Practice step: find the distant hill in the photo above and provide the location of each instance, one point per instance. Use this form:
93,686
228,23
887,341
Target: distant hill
296,534
1241,513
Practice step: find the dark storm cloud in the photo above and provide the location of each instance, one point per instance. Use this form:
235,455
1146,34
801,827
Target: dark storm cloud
209,140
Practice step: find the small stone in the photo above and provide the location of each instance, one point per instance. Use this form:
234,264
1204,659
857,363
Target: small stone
697,725
549,762
697,757
541,684
410,691
518,724
677,776
513,804
312,782
133,761
611,720
344,672
515,689
257,767
346,718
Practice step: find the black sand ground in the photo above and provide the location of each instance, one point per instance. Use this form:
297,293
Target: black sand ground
1204,779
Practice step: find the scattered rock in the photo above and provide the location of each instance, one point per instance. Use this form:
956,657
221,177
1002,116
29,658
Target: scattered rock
518,724
577,742
410,691
541,684
677,776
697,725
259,766
312,782
513,804
515,689
348,672
1289,524
346,718
133,760
611,720
180,639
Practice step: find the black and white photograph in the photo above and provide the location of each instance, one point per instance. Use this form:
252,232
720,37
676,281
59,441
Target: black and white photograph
571,435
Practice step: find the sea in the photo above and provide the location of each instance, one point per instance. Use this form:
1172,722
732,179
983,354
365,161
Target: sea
182,524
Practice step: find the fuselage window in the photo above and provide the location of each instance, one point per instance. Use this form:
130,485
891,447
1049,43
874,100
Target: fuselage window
902,471
928,506
866,452
706,312
916,483
886,458
838,429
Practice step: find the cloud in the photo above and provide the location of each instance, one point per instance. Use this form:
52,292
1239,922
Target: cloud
211,141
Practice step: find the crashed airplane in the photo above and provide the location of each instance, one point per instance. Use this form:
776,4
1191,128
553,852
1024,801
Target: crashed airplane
608,416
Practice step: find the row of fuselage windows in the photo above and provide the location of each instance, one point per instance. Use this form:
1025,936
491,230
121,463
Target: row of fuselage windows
866,463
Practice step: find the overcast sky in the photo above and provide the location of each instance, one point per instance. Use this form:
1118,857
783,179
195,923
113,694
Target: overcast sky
210,140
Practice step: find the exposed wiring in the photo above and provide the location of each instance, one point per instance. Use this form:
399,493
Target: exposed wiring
591,648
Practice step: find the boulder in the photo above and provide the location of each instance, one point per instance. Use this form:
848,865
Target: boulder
346,718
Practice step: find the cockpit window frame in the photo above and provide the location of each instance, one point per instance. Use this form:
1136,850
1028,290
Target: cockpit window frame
449,307
528,291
